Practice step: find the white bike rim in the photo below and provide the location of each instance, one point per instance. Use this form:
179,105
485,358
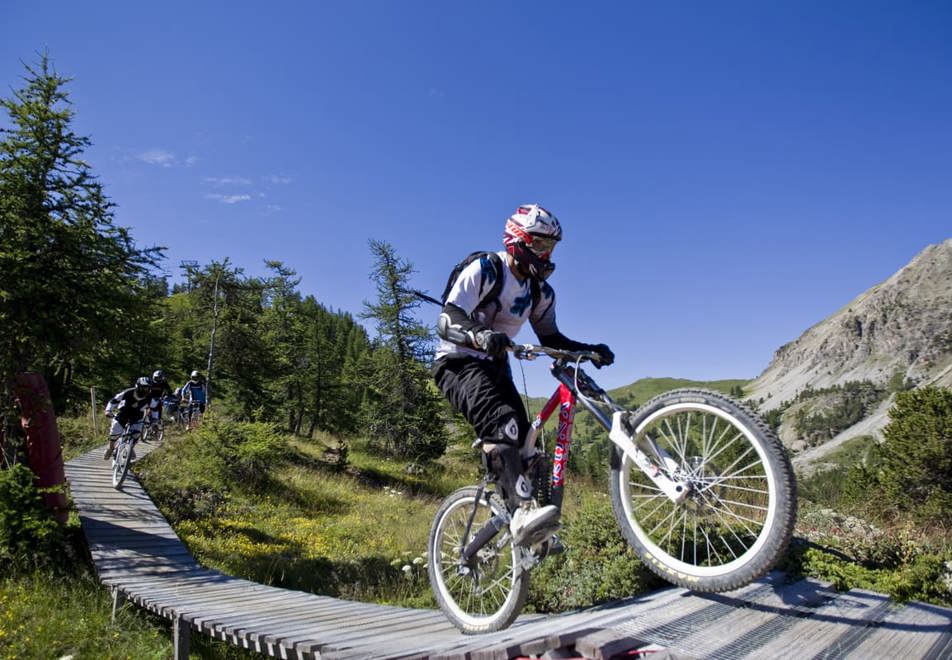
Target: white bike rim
670,561
467,619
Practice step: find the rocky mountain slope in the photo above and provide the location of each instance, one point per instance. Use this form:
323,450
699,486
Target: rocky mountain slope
897,334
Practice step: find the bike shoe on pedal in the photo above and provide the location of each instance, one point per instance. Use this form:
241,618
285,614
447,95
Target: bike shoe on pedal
528,522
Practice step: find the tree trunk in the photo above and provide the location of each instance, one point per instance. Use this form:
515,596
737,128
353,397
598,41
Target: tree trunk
44,454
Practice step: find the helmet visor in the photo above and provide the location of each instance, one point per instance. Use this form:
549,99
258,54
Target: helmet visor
542,246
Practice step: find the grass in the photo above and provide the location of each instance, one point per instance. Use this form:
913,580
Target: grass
310,526
50,615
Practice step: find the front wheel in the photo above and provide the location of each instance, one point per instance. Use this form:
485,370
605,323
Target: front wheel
738,515
487,592
121,461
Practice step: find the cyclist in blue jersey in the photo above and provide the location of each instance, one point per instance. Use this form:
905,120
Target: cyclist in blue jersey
194,397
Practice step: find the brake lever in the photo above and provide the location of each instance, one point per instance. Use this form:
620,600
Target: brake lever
524,352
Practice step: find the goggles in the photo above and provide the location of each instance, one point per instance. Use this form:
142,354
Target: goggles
542,247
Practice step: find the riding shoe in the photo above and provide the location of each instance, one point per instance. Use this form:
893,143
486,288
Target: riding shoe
526,522
108,454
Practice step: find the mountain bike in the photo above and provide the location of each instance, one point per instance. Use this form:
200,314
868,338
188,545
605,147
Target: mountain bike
122,456
154,430
191,415
182,415
700,486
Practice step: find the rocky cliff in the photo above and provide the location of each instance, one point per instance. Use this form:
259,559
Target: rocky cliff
838,379
901,328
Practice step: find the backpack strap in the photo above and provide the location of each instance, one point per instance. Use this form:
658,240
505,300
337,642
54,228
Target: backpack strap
493,295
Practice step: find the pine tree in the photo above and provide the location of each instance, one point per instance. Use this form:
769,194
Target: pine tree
915,462
403,414
76,294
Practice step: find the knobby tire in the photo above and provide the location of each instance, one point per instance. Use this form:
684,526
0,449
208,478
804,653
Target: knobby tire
491,595
739,517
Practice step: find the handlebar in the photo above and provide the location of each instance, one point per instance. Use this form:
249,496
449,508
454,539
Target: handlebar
533,351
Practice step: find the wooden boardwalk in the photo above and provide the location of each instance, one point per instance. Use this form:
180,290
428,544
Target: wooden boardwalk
138,556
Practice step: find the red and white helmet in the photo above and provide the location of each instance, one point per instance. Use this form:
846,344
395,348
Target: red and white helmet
530,236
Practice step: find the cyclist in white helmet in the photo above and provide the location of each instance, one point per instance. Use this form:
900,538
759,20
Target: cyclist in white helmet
484,309
128,406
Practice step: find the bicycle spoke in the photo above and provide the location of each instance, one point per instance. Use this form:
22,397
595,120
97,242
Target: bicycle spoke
652,532
675,445
717,511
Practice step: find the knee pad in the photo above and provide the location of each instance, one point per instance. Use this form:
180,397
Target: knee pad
506,466
507,431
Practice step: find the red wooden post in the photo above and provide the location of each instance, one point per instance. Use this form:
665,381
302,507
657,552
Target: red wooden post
44,453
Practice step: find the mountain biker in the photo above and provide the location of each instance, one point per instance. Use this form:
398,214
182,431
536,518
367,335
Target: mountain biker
172,402
193,393
128,406
160,390
472,366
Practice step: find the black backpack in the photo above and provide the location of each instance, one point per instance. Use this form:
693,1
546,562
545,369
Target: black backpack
493,295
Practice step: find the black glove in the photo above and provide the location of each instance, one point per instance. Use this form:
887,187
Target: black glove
494,343
605,355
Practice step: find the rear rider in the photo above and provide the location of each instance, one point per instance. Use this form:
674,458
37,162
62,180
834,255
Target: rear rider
478,321
194,395
128,406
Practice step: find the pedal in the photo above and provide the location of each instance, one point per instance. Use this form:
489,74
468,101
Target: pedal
553,546
542,535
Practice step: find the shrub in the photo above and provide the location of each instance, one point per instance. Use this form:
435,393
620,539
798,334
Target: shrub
599,565
29,536
919,574
911,471
209,463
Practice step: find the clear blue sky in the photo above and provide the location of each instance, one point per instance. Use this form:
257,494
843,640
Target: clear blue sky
727,173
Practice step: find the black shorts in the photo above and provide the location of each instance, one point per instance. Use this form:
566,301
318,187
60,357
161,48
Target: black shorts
483,392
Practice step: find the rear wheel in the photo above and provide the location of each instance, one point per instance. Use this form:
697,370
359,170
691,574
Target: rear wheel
487,592
737,518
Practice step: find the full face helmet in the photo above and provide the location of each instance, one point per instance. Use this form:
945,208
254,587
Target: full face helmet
158,377
143,386
195,376
530,236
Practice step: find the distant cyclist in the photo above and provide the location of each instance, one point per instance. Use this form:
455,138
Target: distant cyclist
484,309
194,396
172,403
128,407
160,391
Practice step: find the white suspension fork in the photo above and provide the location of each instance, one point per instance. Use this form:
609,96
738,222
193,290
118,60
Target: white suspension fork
675,490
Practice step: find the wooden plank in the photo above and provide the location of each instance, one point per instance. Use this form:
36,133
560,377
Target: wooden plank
606,644
232,611
746,623
916,630
425,633
317,617
194,594
343,625
853,611
371,621
536,637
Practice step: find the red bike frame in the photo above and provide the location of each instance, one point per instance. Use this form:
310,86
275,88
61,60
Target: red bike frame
564,400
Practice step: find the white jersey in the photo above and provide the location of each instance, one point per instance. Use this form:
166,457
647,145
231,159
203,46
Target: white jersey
508,313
